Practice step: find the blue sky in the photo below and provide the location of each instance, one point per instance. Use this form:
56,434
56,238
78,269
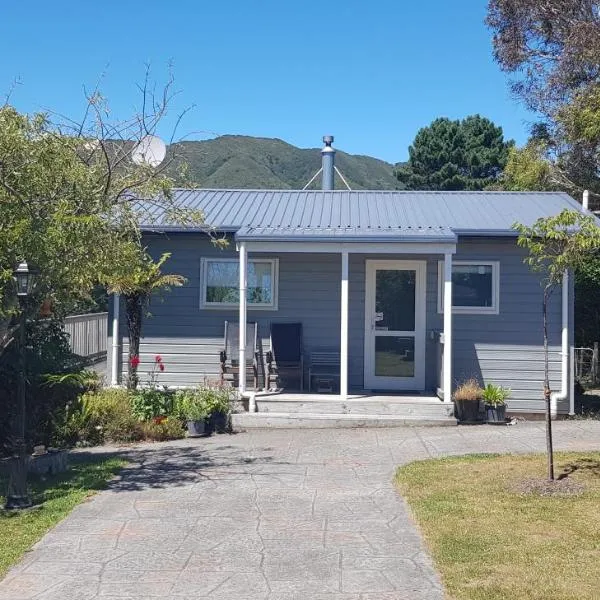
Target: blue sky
371,73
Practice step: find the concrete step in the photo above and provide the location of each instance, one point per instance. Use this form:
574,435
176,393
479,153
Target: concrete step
287,420
364,407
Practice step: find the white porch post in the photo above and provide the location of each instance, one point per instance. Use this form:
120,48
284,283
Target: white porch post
243,314
116,354
344,329
447,327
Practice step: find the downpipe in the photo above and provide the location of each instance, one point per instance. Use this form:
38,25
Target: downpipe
561,396
115,356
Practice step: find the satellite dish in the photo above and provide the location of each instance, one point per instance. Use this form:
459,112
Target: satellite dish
150,150
92,145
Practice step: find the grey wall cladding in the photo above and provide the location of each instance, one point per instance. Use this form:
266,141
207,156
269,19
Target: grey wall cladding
504,348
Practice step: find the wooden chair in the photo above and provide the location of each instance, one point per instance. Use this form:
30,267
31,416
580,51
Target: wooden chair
324,370
285,359
229,356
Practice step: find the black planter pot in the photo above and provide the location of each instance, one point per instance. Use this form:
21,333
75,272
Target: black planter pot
219,422
467,410
196,428
495,414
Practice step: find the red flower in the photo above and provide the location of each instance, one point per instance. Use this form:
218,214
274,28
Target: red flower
134,361
158,358
159,420
161,367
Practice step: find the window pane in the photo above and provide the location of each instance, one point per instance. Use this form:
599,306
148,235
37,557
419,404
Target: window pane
394,356
222,282
395,299
260,284
472,285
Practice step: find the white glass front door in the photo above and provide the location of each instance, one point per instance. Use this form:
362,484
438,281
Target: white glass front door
395,325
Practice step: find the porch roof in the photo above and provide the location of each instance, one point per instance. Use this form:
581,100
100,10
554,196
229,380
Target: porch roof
353,216
345,234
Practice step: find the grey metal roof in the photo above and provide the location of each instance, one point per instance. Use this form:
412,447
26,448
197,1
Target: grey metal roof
360,215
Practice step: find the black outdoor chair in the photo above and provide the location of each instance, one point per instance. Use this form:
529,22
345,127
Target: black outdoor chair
229,356
285,359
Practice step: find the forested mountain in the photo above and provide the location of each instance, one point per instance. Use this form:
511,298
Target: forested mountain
235,161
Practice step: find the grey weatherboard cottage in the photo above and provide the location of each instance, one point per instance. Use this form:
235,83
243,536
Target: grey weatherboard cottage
369,274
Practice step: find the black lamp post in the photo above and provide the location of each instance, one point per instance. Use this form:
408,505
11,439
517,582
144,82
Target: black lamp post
17,496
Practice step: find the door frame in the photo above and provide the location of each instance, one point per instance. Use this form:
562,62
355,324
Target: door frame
371,381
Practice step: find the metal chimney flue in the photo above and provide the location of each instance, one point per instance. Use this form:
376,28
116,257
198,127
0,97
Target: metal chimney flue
328,163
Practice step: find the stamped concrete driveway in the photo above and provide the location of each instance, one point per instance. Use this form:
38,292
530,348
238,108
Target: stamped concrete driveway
267,514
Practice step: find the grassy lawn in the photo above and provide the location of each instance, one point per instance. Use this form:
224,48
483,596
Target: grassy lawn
56,496
490,542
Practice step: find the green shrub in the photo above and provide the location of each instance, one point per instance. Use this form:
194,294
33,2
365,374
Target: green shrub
161,429
495,395
191,405
218,398
196,404
86,380
47,352
112,411
77,426
147,403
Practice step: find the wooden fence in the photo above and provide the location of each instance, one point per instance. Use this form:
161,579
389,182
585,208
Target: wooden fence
88,334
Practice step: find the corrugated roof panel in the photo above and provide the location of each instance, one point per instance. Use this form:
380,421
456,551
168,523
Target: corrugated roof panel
360,213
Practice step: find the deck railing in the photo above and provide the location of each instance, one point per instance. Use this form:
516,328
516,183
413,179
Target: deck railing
88,334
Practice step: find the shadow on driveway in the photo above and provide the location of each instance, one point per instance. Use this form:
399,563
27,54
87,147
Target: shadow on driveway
156,466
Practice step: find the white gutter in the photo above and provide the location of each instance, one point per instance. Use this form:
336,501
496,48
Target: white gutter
114,371
564,352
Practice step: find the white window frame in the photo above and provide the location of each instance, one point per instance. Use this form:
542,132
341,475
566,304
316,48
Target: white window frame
472,310
273,305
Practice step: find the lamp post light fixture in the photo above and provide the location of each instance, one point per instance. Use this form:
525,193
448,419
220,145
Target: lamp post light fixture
24,277
17,496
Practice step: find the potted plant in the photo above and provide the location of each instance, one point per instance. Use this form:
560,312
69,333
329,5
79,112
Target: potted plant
467,397
495,397
194,410
218,399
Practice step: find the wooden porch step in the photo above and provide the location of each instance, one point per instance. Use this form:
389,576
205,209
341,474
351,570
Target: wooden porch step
283,420
378,406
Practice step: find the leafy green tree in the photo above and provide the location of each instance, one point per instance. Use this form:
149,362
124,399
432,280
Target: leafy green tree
68,198
469,154
552,46
556,245
527,168
137,279
553,49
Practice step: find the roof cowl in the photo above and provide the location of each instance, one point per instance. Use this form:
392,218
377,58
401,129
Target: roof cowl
328,164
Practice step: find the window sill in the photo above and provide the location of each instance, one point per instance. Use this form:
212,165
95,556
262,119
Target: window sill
472,311
236,307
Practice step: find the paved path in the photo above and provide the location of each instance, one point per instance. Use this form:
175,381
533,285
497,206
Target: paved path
277,515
